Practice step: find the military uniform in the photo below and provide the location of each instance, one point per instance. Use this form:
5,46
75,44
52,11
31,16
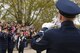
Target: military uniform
40,34
3,42
65,39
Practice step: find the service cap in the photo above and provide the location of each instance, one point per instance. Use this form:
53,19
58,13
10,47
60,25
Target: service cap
68,7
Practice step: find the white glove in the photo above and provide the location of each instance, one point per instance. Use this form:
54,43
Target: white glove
48,25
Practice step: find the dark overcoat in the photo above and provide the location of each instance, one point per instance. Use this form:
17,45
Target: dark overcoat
62,40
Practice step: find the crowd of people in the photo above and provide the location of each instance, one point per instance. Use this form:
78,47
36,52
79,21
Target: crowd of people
14,35
65,39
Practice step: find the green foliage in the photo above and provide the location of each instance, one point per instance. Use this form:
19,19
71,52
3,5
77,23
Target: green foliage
34,12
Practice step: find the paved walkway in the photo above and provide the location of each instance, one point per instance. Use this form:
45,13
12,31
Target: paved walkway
28,51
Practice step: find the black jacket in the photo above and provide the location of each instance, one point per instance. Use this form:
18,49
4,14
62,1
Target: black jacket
11,39
62,40
3,40
21,43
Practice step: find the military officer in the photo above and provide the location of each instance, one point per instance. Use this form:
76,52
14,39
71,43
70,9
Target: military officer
3,41
65,39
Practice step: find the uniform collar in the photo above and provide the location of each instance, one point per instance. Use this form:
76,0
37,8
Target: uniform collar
68,24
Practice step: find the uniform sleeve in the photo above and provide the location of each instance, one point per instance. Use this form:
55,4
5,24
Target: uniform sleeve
3,35
40,43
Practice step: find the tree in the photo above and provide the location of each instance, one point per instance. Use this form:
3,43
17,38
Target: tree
34,12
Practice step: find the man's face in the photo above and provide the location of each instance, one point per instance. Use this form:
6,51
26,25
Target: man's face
21,33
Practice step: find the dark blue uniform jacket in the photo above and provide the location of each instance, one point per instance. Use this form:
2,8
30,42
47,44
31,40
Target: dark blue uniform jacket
62,40
3,40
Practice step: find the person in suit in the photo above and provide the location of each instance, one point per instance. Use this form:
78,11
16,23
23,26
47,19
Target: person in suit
21,42
11,40
65,39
